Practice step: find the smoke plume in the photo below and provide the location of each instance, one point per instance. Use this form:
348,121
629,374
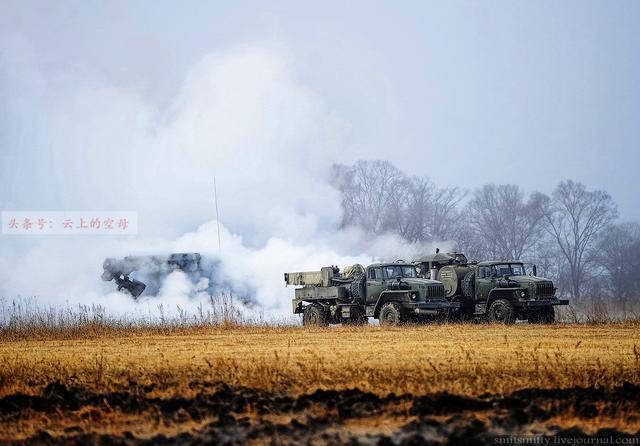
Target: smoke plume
78,143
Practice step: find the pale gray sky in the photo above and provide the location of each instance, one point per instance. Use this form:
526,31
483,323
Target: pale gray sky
466,93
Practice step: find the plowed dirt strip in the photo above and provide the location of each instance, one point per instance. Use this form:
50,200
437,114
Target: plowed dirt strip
75,415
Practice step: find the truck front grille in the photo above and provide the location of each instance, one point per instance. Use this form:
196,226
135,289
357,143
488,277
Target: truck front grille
435,291
544,289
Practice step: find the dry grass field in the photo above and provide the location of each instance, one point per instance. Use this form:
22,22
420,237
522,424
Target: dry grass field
289,385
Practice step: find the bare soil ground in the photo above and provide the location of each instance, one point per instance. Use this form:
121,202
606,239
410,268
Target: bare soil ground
367,385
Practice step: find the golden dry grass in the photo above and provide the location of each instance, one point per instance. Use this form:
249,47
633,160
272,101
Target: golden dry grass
462,359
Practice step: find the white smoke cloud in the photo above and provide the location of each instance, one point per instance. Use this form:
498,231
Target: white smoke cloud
78,143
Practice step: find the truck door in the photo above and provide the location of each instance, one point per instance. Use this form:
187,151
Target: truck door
375,284
484,283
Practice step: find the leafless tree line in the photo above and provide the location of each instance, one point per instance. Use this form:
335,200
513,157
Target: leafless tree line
572,235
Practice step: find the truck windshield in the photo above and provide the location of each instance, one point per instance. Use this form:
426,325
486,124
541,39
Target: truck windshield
392,271
509,269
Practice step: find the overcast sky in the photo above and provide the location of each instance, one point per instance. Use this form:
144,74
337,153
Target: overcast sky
466,93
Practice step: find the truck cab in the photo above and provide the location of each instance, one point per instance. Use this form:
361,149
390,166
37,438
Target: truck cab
380,275
504,291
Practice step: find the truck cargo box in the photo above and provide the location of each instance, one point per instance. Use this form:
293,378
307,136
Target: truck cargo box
329,292
310,278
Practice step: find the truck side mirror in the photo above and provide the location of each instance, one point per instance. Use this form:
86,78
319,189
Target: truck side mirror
535,270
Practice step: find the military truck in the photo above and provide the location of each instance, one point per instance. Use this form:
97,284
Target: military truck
500,291
390,292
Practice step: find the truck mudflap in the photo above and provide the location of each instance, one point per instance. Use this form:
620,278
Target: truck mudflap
433,307
296,304
545,302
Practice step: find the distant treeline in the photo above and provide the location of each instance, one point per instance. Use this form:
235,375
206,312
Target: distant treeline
573,235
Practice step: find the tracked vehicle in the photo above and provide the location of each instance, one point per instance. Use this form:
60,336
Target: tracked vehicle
151,268
500,291
390,292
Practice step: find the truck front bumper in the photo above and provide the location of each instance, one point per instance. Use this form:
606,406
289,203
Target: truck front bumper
434,307
537,303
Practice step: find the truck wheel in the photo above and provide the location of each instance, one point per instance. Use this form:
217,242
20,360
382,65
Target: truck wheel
391,314
501,311
358,288
546,315
469,285
314,315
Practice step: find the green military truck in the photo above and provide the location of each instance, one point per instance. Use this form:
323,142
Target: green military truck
500,291
389,292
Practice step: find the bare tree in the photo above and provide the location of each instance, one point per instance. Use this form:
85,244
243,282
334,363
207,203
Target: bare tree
504,224
396,216
574,220
467,239
443,213
379,197
619,255
422,211
368,189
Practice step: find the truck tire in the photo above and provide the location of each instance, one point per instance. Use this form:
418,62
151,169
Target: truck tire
548,315
358,289
391,314
314,315
545,315
501,311
469,285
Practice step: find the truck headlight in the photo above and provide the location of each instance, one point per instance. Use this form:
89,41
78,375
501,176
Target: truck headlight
522,294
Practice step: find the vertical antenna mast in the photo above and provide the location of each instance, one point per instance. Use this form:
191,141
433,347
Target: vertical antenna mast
215,195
